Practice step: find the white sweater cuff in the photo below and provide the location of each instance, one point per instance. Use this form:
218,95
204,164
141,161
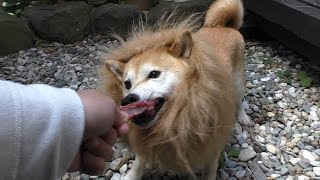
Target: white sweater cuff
49,127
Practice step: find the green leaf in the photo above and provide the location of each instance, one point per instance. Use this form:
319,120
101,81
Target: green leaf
267,61
285,76
306,82
304,79
280,74
233,153
287,80
39,42
287,73
302,75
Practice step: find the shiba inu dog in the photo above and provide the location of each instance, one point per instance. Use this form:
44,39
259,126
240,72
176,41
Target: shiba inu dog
194,78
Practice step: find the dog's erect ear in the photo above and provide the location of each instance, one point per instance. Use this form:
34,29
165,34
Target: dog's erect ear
116,67
182,46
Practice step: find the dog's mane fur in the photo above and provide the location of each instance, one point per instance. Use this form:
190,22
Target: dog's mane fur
201,113
164,31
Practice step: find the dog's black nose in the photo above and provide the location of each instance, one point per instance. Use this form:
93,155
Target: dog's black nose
129,99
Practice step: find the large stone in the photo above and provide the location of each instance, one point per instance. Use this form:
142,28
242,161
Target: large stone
116,19
247,154
182,9
66,22
143,5
14,34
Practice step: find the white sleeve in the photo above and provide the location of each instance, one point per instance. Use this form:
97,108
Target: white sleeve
41,128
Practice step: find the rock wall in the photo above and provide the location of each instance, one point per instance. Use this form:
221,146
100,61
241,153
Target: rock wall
72,21
14,34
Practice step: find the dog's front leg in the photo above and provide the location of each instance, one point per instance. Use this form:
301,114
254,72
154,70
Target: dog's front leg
243,118
239,82
136,171
210,171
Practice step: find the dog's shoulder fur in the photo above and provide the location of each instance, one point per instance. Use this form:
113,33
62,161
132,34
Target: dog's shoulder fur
194,129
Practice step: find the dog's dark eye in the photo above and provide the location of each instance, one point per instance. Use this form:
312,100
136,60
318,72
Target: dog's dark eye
127,84
154,74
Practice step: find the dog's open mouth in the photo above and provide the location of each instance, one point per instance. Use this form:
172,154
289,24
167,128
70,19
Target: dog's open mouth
143,112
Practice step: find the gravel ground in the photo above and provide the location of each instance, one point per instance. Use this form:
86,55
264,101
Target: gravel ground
283,144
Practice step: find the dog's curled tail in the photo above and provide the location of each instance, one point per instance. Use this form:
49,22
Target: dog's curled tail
225,13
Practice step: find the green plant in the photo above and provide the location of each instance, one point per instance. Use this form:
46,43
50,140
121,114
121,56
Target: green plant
15,6
233,153
267,61
221,161
285,75
39,42
304,79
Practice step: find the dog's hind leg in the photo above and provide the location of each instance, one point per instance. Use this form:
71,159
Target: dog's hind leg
136,172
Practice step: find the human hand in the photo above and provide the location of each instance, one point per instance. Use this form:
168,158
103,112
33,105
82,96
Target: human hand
103,125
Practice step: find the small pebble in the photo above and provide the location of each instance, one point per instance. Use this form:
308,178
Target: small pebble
271,148
123,169
308,155
315,163
240,174
247,154
116,176
316,171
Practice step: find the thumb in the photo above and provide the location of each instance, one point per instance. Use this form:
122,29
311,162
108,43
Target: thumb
100,113
122,117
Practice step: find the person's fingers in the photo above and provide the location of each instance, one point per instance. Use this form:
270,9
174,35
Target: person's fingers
120,124
121,117
92,165
99,148
100,113
123,129
110,137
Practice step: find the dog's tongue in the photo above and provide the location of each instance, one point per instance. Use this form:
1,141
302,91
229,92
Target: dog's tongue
136,108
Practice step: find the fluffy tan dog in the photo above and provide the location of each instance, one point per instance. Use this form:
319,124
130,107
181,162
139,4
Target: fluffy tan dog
195,79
